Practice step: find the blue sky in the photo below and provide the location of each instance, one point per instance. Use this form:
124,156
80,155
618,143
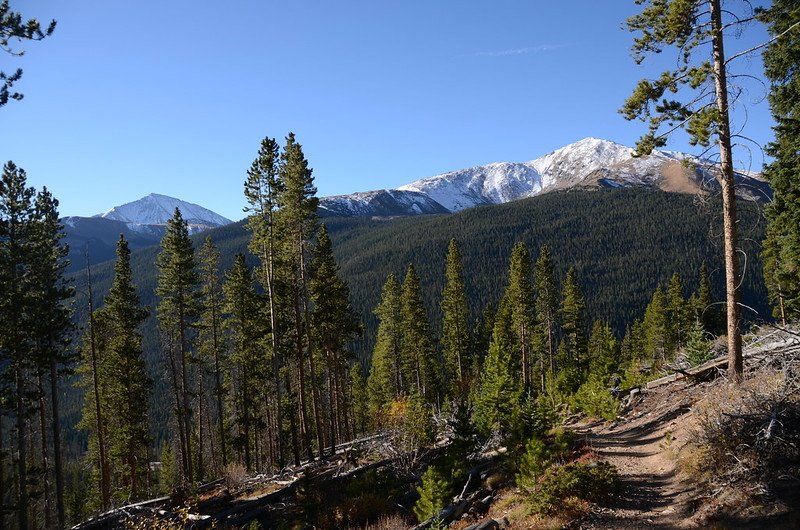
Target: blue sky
129,98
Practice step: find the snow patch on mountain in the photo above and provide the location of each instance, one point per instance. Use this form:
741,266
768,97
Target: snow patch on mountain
381,203
156,209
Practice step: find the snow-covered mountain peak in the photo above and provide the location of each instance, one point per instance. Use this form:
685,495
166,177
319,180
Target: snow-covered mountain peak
156,209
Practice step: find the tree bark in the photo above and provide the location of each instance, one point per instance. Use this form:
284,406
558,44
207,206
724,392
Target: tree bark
22,456
735,365
105,482
48,521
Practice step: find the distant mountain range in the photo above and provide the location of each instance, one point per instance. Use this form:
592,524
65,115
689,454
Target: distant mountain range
142,222
589,163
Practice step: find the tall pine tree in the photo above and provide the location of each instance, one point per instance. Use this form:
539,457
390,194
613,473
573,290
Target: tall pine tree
455,326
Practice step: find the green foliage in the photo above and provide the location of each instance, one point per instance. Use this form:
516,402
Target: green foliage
421,368
455,328
594,398
535,460
434,494
519,303
385,381
168,471
13,26
781,253
590,482
409,419
497,401
698,347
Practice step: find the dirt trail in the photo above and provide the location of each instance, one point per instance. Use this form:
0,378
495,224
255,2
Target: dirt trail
643,448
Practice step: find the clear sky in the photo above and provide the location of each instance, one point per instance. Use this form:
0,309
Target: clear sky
173,97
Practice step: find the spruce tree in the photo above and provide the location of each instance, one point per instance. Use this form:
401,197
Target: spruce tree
242,308
178,308
572,309
455,327
498,397
386,380
678,318
334,325
421,366
546,308
656,345
782,246
127,385
211,346
519,295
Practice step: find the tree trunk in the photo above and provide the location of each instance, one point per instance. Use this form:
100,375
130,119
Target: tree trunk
185,416
22,457
735,365
105,482
178,418
48,516
2,480
218,384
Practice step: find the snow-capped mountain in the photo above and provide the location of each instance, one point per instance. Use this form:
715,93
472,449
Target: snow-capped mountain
141,222
381,203
589,163
155,209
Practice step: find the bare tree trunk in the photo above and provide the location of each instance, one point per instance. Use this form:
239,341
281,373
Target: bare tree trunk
186,412
200,396
735,365
105,482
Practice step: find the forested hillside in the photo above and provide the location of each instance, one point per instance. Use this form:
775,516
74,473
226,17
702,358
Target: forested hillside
622,243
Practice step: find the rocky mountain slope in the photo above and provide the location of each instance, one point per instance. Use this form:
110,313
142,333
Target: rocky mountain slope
589,163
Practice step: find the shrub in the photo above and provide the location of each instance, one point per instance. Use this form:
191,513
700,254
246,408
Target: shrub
533,464
434,494
698,347
580,481
594,399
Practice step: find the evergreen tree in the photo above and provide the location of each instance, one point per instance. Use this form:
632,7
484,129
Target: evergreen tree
603,350
334,324
497,401
782,246
386,380
421,367
698,37
573,305
242,323
13,26
262,188
211,347
178,308
656,347
127,384
519,297
678,319
704,309
698,349
298,222
359,399
546,308
455,329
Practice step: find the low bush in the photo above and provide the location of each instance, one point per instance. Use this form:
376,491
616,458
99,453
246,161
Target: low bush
594,398
576,481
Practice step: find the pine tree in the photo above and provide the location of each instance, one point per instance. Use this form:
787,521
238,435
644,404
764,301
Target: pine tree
178,308
242,323
13,26
211,345
572,309
334,324
782,246
656,345
698,349
298,222
359,399
698,37
262,189
386,381
127,384
546,308
704,309
455,329
519,295
497,400
678,318
420,366
53,321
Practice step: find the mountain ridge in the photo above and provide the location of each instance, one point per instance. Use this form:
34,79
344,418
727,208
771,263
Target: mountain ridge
587,163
